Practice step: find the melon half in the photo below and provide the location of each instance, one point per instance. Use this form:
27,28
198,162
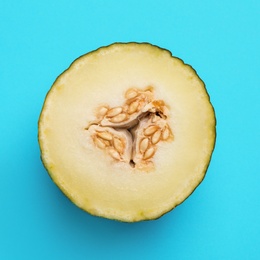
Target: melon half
127,132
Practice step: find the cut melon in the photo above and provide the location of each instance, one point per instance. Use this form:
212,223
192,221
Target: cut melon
127,132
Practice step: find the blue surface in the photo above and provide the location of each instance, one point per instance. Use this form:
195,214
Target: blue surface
220,39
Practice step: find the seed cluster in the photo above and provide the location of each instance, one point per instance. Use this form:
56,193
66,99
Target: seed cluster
144,122
151,136
127,115
111,142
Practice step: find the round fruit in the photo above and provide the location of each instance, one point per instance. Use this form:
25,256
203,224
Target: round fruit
127,132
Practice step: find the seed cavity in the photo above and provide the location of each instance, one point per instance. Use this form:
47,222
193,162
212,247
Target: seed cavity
130,133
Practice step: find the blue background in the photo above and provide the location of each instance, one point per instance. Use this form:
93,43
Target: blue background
220,39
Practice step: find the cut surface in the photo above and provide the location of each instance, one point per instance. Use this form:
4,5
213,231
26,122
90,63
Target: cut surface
113,110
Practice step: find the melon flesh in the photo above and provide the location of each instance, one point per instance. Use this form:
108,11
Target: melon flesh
86,174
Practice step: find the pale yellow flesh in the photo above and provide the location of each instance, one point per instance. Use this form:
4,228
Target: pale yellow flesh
90,178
